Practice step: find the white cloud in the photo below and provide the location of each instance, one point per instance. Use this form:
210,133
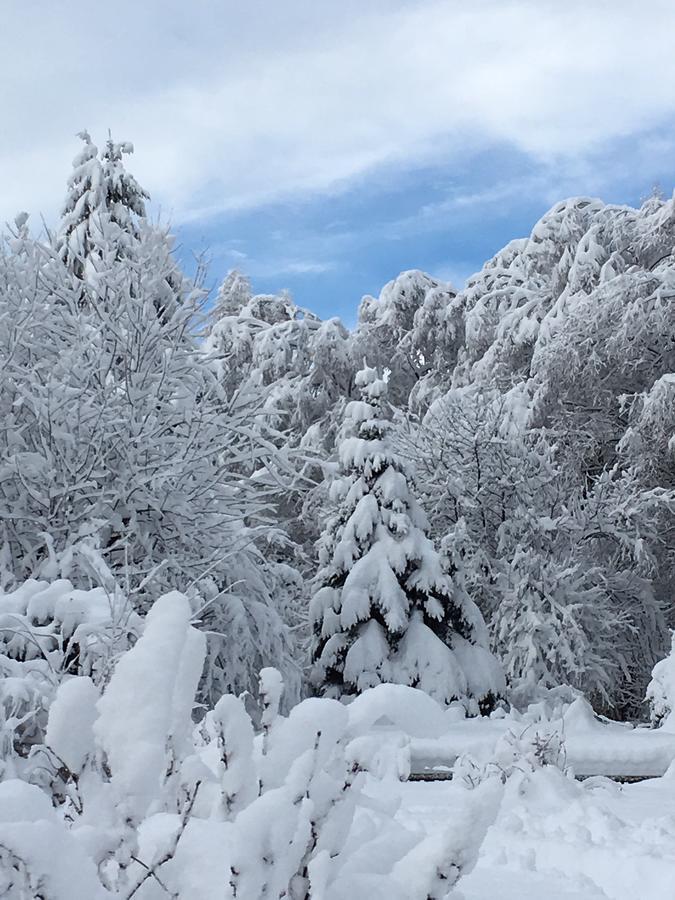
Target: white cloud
236,255
272,266
305,267
232,104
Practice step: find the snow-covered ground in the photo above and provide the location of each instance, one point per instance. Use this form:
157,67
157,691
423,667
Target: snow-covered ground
550,835
557,838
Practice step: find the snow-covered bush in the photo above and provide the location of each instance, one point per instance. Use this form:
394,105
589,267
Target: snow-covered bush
50,631
661,691
133,800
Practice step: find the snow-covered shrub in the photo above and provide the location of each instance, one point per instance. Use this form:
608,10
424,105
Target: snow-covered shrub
50,631
435,865
531,748
661,691
133,800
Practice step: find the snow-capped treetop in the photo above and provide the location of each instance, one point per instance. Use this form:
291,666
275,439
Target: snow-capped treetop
233,295
125,198
86,198
384,332
99,220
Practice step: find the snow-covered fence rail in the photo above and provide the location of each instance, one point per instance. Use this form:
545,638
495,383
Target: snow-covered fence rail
588,745
447,775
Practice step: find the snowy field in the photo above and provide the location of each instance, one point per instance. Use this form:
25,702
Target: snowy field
555,838
551,835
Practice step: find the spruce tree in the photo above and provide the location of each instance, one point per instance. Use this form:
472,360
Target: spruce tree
384,610
124,197
102,213
80,222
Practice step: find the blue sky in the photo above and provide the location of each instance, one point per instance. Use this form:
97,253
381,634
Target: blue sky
324,147
445,219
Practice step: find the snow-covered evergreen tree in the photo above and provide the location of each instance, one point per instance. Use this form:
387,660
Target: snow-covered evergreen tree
384,610
79,227
102,210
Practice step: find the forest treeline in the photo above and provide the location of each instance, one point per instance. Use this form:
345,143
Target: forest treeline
470,492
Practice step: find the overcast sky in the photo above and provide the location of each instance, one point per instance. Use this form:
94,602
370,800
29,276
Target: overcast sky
324,146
